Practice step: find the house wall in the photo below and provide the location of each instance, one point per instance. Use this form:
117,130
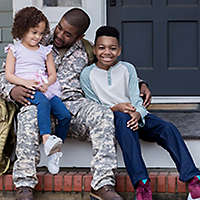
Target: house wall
6,17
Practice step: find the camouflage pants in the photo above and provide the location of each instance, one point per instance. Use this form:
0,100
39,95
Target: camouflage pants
98,120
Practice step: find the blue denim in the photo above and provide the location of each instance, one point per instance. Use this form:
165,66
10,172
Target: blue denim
155,130
45,108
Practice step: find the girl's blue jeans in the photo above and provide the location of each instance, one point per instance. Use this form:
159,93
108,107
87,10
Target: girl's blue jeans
45,108
156,130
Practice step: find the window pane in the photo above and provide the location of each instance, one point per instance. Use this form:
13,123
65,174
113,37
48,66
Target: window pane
62,3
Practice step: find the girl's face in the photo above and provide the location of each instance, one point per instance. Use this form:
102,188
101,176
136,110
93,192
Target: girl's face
107,50
32,38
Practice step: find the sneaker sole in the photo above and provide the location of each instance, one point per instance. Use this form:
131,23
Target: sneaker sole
94,197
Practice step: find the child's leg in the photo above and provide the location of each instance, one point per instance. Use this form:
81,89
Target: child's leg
63,115
168,136
130,146
43,112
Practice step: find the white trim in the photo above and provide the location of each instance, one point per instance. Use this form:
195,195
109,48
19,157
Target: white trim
176,99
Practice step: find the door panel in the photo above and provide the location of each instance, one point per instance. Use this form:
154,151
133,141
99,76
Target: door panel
161,38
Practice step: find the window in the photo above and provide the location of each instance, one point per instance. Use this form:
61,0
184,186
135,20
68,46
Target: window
62,3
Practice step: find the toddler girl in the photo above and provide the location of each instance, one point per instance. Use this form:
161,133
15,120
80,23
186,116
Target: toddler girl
31,65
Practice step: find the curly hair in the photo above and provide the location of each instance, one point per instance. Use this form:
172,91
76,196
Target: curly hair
26,18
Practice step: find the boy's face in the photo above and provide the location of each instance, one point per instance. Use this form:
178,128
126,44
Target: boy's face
107,50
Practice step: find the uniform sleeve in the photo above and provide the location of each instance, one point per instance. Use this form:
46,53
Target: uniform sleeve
134,93
5,86
86,86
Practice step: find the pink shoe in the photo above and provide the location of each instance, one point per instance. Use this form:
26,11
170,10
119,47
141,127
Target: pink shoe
143,191
194,187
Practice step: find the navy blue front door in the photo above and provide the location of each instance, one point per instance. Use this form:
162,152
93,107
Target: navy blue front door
161,38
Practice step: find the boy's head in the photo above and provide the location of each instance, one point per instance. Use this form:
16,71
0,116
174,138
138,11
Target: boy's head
71,28
107,47
107,31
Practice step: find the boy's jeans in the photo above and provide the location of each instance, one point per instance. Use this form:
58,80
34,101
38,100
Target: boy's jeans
155,130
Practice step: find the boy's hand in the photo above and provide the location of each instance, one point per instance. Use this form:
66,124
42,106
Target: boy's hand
20,93
43,88
123,107
145,93
133,122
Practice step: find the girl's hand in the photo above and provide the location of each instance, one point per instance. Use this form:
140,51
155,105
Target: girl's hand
43,88
123,107
31,84
133,122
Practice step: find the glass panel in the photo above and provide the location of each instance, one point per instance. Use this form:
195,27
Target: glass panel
62,3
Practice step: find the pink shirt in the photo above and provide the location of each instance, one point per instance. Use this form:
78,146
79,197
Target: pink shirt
30,64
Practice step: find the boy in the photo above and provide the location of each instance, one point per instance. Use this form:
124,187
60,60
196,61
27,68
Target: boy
115,85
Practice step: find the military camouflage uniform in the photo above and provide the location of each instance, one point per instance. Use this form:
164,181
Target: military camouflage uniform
88,119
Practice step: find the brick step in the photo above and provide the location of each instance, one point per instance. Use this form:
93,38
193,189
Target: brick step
75,184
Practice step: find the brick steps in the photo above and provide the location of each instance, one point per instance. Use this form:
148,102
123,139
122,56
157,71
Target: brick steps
163,183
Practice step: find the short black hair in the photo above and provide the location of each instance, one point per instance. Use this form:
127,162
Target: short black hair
107,31
78,18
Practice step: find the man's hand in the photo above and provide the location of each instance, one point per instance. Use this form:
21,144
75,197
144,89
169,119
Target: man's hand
145,93
133,122
123,107
19,94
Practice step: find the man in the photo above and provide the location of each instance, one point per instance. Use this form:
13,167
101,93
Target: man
87,117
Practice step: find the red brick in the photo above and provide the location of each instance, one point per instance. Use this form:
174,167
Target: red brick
67,187
58,182
120,178
48,182
162,182
171,183
153,177
78,182
87,182
1,182
40,185
129,186
181,186
8,182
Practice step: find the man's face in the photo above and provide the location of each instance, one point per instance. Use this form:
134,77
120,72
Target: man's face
65,35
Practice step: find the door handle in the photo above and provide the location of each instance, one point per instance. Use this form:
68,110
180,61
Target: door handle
113,3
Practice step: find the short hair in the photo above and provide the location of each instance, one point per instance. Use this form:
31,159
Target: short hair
26,18
106,31
78,18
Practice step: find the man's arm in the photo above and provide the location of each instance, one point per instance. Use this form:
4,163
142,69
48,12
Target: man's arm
11,92
145,92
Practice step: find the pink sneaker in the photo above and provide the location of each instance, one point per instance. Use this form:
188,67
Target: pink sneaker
143,191
194,187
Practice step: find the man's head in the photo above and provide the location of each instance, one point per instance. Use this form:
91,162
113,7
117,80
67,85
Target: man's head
71,28
107,47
